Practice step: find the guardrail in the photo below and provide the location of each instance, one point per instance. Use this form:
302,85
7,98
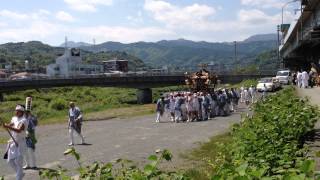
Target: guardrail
134,74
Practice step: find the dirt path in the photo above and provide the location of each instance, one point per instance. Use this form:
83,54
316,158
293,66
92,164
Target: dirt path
131,138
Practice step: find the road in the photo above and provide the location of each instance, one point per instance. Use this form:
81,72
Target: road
130,138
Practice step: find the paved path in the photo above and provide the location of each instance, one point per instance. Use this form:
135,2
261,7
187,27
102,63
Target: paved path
313,94
133,138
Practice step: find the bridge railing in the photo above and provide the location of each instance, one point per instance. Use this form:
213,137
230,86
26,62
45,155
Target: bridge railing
139,74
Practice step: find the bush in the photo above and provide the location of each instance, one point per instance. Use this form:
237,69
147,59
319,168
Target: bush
58,104
271,142
121,169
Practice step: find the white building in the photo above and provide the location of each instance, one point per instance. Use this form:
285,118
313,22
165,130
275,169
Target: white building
70,64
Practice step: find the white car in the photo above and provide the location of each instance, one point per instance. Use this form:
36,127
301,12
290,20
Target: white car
266,83
284,76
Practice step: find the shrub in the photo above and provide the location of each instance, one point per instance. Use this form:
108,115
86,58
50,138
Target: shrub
58,104
271,142
121,169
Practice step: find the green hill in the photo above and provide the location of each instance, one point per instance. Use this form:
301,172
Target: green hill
257,52
184,53
39,55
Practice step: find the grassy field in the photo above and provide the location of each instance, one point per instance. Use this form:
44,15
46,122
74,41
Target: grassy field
51,105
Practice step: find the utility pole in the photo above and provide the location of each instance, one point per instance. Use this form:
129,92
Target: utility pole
65,43
235,51
278,43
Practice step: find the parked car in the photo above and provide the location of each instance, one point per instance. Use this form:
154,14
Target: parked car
284,76
270,84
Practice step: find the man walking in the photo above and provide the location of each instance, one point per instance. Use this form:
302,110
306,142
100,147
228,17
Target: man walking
252,92
305,79
160,109
177,108
299,79
75,123
17,144
31,140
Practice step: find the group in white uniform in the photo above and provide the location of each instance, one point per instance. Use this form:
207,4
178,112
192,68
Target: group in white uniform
199,106
302,79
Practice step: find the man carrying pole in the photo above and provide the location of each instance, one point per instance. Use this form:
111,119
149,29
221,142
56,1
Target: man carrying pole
31,137
17,144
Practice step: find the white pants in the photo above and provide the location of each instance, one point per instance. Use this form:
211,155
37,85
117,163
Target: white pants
305,83
299,83
158,116
30,158
71,131
178,115
16,164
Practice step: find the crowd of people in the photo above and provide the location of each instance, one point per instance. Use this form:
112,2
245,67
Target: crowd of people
201,106
305,79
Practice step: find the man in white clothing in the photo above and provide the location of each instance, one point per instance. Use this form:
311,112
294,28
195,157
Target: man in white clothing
305,79
17,144
242,94
31,140
299,79
75,123
252,92
160,108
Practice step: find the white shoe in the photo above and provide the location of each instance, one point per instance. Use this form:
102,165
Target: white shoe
70,144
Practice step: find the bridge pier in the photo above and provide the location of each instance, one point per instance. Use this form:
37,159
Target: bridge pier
144,96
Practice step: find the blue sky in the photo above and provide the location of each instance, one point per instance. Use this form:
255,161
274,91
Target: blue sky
138,20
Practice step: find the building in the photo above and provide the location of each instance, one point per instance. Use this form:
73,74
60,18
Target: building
301,41
70,64
115,65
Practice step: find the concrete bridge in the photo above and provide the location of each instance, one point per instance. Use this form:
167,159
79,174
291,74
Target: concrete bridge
143,84
301,42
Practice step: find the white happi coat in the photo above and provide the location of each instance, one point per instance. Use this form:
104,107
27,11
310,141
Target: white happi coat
20,138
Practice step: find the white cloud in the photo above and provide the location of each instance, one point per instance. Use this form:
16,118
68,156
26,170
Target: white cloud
3,24
18,16
194,22
257,17
195,16
64,16
124,34
263,3
87,5
13,15
137,19
36,30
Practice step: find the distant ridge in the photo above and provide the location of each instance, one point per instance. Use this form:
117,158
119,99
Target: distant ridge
72,44
262,37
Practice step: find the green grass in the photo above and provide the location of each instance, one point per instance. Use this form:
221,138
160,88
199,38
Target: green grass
51,105
3,140
205,156
244,83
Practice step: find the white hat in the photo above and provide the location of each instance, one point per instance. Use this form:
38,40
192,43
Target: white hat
19,108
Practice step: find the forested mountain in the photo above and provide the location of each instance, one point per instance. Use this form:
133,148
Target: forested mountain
258,51
185,53
39,55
